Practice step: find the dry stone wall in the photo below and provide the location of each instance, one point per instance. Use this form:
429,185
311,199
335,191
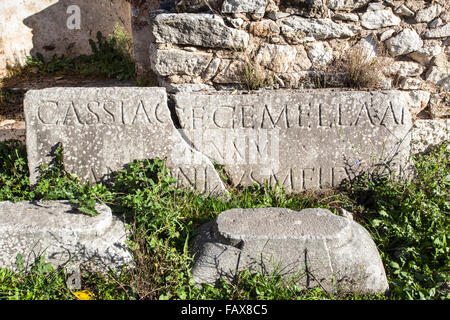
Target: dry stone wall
303,44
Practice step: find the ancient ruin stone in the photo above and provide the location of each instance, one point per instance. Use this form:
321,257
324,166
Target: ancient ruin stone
429,13
278,58
173,61
318,247
440,32
298,139
205,30
346,5
102,129
63,234
297,29
427,134
404,42
320,54
376,19
439,76
255,7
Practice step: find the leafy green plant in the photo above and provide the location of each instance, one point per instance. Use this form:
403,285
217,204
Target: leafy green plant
38,282
410,223
111,57
14,181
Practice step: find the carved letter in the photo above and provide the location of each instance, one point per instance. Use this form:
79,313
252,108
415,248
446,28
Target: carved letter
223,118
48,114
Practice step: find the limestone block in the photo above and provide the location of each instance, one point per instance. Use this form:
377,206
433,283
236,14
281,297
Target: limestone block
318,247
102,129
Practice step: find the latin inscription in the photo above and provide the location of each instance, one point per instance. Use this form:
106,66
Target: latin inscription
300,179
297,140
309,115
72,113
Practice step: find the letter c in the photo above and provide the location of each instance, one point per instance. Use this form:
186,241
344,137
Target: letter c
48,116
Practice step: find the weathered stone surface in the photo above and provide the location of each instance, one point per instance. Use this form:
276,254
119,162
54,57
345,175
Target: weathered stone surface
386,34
427,134
373,6
346,5
439,76
298,139
173,61
231,73
196,5
439,106
429,13
236,23
46,26
403,68
297,29
102,129
346,17
404,42
63,233
320,54
324,249
205,30
186,87
376,19
417,100
278,58
404,11
426,53
255,7
369,46
411,83
440,32
264,28
436,23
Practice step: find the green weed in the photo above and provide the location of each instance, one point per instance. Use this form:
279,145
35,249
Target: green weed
111,57
408,220
38,282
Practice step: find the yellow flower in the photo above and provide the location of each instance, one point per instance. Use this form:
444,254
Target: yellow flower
83,295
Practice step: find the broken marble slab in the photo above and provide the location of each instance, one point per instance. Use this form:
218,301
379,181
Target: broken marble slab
103,129
299,139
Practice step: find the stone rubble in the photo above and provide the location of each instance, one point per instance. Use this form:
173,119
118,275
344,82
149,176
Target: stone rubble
289,39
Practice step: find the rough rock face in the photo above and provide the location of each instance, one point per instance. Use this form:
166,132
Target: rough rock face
315,245
405,42
440,32
427,134
346,5
379,18
63,233
205,30
173,61
297,29
256,7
